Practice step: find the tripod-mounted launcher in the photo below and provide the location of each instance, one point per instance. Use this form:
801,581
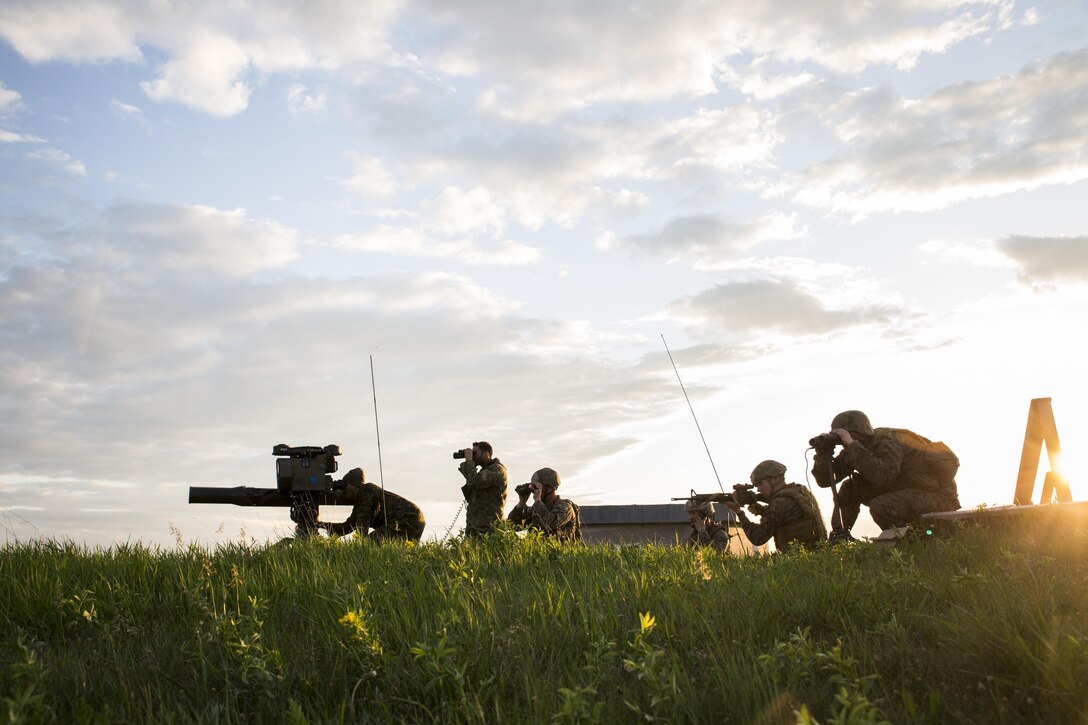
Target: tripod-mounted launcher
303,484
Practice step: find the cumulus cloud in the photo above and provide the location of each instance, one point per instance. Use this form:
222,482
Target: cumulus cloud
1047,260
210,51
12,137
207,75
200,238
301,100
465,224
971,140
463,211
411,242
71,30
764,307
562,173
10,101
542,63
57,158
707,239
371,177
534,63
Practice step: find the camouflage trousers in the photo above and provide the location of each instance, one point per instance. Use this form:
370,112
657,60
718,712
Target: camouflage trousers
412,530
894,508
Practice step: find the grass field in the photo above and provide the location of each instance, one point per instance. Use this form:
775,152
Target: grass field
990,626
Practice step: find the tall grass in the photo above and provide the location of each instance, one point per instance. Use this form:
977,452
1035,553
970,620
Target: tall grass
986,627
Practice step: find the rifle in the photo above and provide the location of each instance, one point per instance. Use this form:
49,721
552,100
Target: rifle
742,495
303,484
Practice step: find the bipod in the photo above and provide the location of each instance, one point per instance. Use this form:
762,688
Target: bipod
839,533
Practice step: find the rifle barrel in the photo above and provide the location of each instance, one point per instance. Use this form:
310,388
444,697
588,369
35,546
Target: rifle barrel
250,496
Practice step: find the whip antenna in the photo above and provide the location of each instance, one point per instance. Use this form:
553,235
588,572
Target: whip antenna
697,426
378,435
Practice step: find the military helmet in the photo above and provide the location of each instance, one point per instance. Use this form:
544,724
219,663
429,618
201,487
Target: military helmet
706,508
548,477
765,469
854,421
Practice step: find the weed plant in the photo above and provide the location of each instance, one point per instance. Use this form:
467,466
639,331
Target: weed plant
990,626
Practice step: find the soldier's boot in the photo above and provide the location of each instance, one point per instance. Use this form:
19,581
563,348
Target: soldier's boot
847,513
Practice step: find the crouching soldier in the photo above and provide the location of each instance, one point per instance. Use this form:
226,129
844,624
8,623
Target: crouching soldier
897,473
389,515
705,531
791,514
552,515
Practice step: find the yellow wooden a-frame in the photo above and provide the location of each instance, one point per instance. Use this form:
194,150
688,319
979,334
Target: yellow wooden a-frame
1041,429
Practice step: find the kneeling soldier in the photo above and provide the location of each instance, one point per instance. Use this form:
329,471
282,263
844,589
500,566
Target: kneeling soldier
549,513
705,531
791,514
391,516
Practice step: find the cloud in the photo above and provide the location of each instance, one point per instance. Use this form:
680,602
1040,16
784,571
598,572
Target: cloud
200,238
72,30
126,111
755,308
300,100
58,158
206,76
12,137
411,242
562,173
210,51
11,102
532,64
463,211
465,224
710,238
371,178
1047,259
541,64
970,140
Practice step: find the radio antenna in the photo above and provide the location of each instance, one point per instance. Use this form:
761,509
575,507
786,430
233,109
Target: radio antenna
697,426
378,435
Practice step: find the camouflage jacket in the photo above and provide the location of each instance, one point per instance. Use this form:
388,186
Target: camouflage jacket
370,511
713,535
878,464
485,494
791,516
560,520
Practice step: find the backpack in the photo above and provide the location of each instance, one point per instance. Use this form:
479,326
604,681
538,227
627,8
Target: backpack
577,521
935,465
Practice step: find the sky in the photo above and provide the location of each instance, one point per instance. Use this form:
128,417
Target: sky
225,226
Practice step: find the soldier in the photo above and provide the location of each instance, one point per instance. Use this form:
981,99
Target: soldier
552,515
484,489
391,516
897,473
705,531
791,515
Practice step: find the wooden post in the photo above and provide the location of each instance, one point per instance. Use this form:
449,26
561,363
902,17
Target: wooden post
1041,429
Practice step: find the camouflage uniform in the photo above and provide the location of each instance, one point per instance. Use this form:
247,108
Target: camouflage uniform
714,535
391,516
792,516
888,474
560,520
485,494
